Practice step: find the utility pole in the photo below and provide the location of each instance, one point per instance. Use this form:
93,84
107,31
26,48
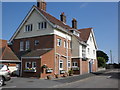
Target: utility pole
111,55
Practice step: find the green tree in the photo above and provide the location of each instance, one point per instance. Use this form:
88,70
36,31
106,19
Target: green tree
101,62
102,54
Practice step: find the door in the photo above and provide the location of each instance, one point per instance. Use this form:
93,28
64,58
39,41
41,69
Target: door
90,66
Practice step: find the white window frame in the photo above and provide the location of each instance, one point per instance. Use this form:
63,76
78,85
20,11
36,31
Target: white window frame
33,65
61,68
74,64
28,27
88,50
21,46
94,52
27,45
59,42
26,64
65,44
36,42
83,51
69,63
42,27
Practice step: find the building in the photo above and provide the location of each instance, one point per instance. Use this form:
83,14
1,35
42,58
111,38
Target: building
45,44
8,57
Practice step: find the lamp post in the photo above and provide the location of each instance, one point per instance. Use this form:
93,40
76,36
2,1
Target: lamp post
111,55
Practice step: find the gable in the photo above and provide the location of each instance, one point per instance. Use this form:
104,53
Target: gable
34,18
91,40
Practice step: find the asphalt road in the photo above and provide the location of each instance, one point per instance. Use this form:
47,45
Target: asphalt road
105,80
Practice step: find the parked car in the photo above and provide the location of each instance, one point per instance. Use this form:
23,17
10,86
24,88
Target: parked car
4,74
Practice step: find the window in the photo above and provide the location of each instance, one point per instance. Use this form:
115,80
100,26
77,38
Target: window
83,51
21,46
33,64
88,51
70,44
91,38
69,63
42,25
36,42
27,64
59,42
27,45
75,64
28,28
94,52
65,44
61,65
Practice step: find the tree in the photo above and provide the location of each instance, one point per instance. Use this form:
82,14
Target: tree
102,54
101,62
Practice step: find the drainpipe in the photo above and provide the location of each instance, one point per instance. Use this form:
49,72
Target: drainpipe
67,52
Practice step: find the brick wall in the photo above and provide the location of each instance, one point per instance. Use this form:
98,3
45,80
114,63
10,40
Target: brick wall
44,42
84,67
94,66
31,74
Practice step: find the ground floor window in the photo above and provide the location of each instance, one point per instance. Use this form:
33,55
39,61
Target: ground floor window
69,63
33,64
27,64
75,64
61,64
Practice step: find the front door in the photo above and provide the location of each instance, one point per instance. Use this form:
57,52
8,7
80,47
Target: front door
90,66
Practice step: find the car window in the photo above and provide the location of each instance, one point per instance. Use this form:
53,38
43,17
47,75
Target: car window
1,65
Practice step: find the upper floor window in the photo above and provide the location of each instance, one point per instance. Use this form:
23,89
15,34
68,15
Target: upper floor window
59,42
94,52
27,45
36,42
91,38
88,51
42,25
83,51
21,46
28,28
65,44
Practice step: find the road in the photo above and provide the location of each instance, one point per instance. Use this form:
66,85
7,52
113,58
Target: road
105,80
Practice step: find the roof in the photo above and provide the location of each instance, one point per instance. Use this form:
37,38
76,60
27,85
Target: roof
37,53
85,33
5,52
53,20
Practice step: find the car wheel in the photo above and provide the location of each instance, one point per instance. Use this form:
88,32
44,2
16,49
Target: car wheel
1,81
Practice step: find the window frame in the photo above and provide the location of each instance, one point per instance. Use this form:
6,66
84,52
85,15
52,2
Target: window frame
27,45
59,42
21,45
35,42
26,64
33,65
60,62
69,64
42,25
74,64
28,27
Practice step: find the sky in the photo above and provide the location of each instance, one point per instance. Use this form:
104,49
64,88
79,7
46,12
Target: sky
102,16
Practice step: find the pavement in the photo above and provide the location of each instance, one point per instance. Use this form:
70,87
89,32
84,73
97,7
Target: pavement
78,81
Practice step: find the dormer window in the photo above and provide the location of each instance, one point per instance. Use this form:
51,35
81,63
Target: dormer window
75,33
28,27
42,25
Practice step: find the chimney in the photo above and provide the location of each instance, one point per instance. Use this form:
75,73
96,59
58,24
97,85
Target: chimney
74,23
63,17
41,4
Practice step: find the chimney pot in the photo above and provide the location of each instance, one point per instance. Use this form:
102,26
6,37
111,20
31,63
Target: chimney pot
63,17
41,4
74,23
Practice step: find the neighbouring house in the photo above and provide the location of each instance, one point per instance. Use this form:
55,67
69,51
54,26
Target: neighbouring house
46,45
8,57
84,51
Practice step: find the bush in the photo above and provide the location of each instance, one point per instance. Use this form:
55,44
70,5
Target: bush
101,62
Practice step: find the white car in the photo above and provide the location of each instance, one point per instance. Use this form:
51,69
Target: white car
4,74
